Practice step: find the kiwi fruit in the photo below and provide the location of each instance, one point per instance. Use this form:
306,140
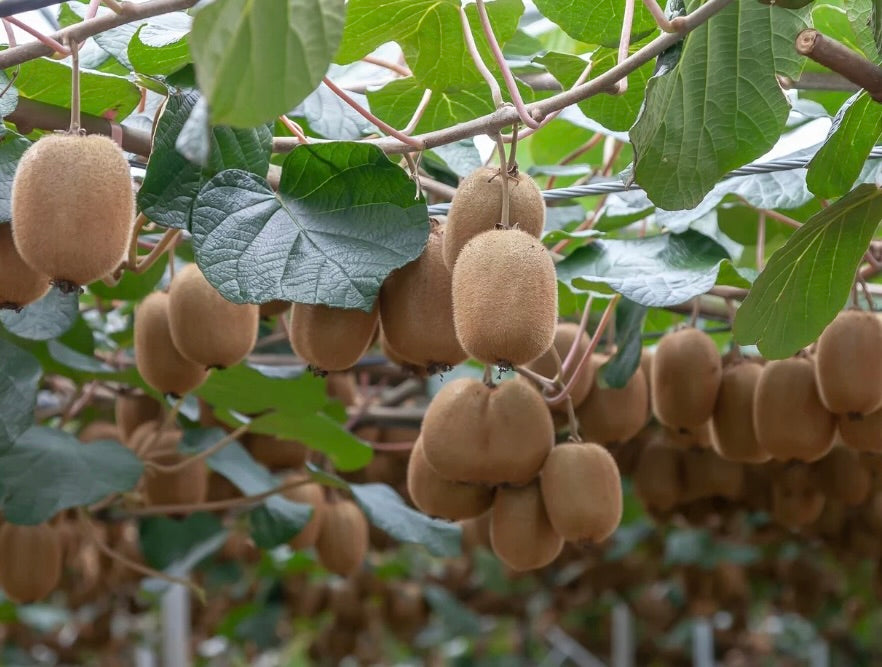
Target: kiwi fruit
342,386
706,475
686,373
733,436
19,283
343,538
696,436
416,310
158,360
505,298
185,486
438,497
582,491
657,478
395,358
220,488
30,561
841,476
613,415
309,494
789,419
477,207
863,433
487,435
476,533
521,533
151,438
132,410
273,308
276,454
848,363
796,500
564,337
68,223
331,339
99,430
205,327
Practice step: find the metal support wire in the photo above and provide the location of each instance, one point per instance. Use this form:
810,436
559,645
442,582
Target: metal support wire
614,185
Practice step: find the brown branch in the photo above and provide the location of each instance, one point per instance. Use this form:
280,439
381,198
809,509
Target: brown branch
85,29
836,56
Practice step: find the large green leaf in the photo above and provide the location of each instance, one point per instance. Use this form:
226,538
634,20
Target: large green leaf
332,118
257,60
807,282
19,380
47,318
838,163
663,270
629,345
865,17
430,34
101,94
164,541
172,181
159,47
716,105
598,21
12,147
132,286
388,512
48,470
344,218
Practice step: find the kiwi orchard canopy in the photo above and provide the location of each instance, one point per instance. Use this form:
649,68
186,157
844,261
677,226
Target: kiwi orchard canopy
371,330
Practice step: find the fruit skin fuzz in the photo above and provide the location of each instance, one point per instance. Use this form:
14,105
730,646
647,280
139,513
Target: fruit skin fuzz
73,208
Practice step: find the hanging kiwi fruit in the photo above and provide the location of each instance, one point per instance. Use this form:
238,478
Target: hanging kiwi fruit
30,561
842,476
848,364
732,430
133,409
796,499
186,485
343,537
546,365
331,339
416,309
205,327
613,415
521,533
68,223
658,477
19,283
274,453
477,207
309,494
862,432
505,298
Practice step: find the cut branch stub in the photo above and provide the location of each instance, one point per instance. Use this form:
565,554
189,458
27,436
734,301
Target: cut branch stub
836,56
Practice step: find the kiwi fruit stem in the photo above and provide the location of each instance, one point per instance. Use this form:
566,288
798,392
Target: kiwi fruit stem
205,453
574,348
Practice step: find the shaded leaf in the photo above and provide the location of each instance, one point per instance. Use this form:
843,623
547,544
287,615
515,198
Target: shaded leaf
596,22
331,117
19,381
164,541
624,363
159,47
12,148
47,318
133,286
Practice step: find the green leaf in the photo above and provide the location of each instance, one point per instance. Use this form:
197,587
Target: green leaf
76,360
250,392
838,163
47,318
616,112
865,17
101,94
12,147
807,282
344,218
332,118
133,286
598,21
629,345
172,181
19,381
48,470
663,270
257,60
430,34
9,100
714,106
159,47
164,541
388,512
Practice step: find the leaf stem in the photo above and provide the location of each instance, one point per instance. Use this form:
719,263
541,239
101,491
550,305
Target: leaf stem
47,40
583,325
170,237
395,67
507,76
761,241
547,383
204,454
492,83
294,128
503,174
418,112
575,154
660,19
625,42
74,85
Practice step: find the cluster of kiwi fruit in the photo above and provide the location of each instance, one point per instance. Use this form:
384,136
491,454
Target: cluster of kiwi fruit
73,212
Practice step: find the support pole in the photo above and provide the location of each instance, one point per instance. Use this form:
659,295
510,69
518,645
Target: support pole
176,627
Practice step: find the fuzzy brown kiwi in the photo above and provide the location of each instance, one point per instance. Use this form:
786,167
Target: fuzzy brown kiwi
313,495
841,476
848,363
276,454
30,561
273,308
158,360
477,207
706,475
220,488
863,433
613,415
416,310
343,538
686,372
150,437
205,327
796,500
476,533
436,496
342,387
505,298
695,436
99,430
482,435
789,419
19,283
646,357
582,491
733,436
67,223
657,478
521,533
564,337
331,339
132,410
185,486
